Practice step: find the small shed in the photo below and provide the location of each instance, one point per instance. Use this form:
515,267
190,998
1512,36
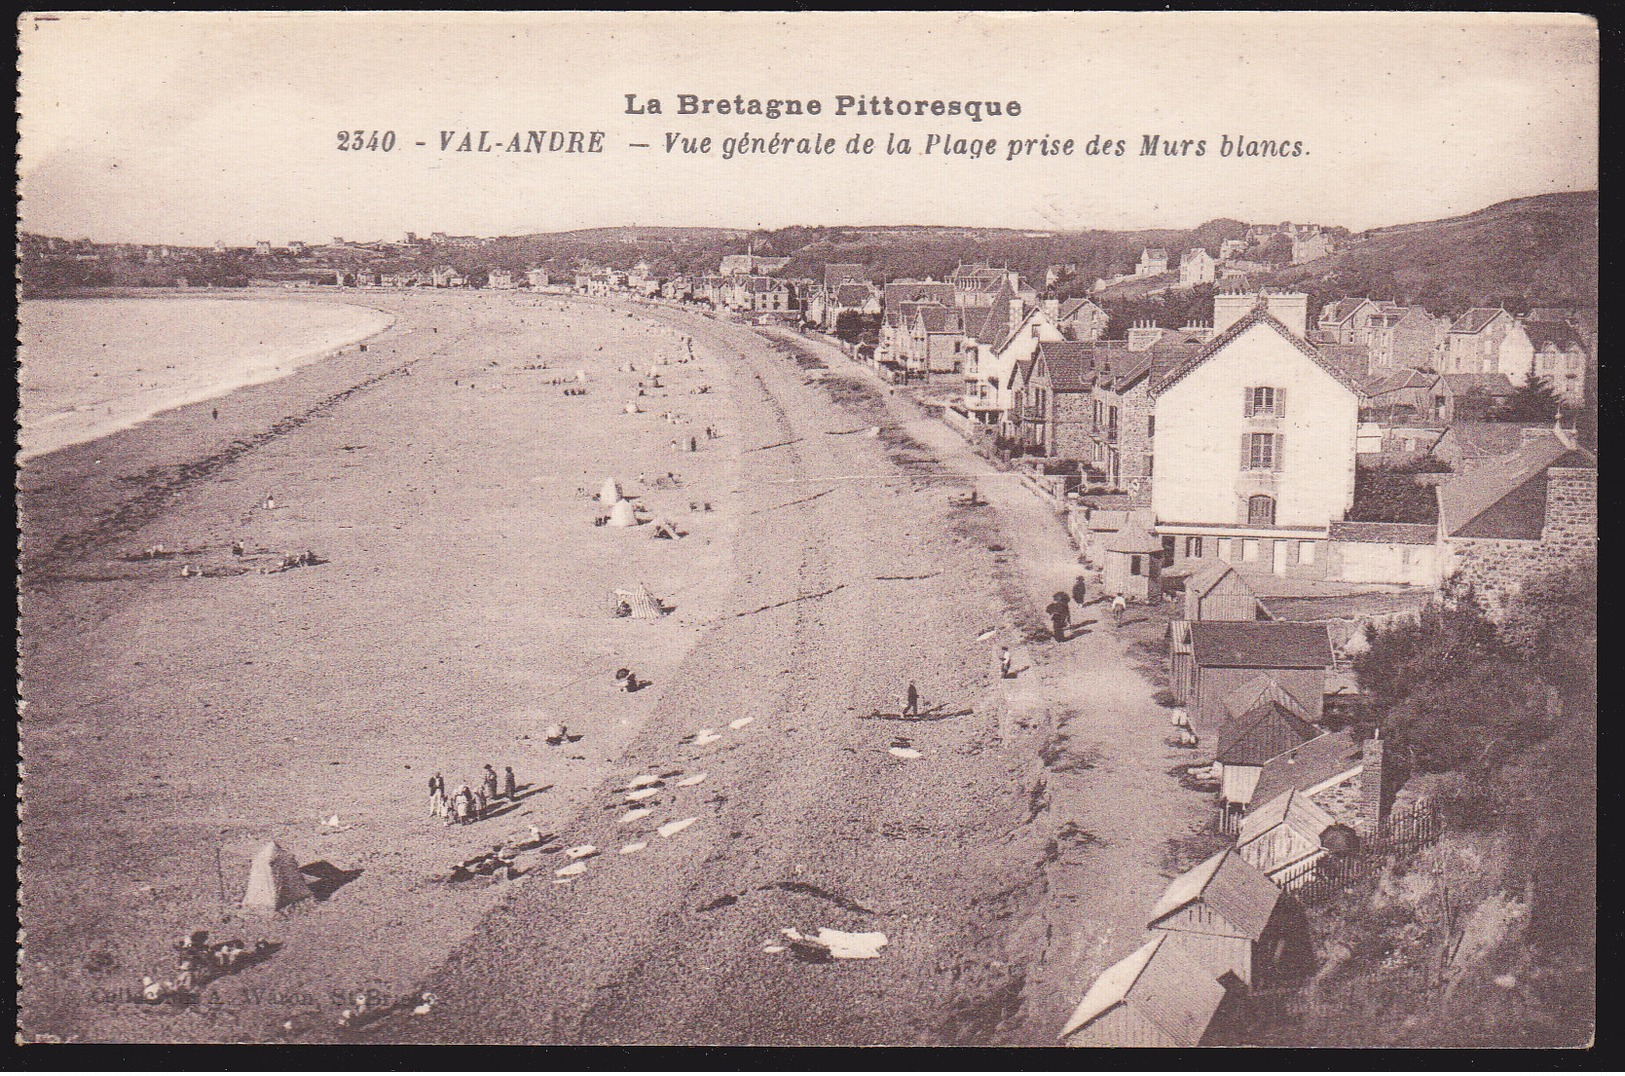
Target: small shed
1261,720
1182,678
1218,592
1282,838
1229,653
1133,565
1221,915
1155,996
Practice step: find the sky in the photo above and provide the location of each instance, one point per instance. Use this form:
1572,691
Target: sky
193,127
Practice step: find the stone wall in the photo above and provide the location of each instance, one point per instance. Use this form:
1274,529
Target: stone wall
1497,568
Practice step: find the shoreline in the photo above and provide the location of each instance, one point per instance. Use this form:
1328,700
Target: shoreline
282,366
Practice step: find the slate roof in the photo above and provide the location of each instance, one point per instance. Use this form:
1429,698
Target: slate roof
1072,307
851,294
1476,320
938,319
1291,809
1476,440
1200,584
994,328
1070,365
1229,885
1164,988
1257,316
838,273
1341,310
1556,334
1307,765
1506,497
1134,540
913,291
1399,380
1382,533
1353,359
1260,644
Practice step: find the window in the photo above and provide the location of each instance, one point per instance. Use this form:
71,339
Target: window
1263,401
1223,552
1306,552
1134,564
1260,511
1193,547
1249,550
1149,461
1097,412
1168,541
1261,452
1151,426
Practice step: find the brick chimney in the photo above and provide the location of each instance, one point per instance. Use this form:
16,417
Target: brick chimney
1052,308
1374,787
1017,312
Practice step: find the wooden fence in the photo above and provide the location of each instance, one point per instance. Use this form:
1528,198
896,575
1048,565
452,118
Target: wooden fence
1404,831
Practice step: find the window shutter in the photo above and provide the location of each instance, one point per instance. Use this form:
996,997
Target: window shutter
1280,403
1246,451
1247,402
1280,457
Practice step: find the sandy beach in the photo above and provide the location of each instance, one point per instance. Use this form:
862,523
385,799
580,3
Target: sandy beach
461,605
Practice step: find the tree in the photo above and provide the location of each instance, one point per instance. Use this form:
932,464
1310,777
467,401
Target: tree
1532,402
855,327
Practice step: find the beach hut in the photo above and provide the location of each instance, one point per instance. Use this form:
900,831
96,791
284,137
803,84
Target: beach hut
1229,653
609,492
1155,996
1182,678
1133,565
1282,838
1218,592
1227,918
1261,720
623,515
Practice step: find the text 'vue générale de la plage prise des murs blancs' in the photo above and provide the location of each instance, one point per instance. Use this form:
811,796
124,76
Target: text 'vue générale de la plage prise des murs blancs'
914,141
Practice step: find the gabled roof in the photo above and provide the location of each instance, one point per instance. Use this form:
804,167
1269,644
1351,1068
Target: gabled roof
994,327
1263,644
1262,720
1257,316
1292,809
913,291
1400,380
1339,312
1559,335
838,273
1134,540
1162,986
1228,884
1201,584
1021,372
1477,319
1311,763
852,294
1073,307
1070,365
938,319
1194,254
1506,497
1476,440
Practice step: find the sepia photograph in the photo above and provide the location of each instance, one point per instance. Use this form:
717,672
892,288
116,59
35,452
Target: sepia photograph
807,529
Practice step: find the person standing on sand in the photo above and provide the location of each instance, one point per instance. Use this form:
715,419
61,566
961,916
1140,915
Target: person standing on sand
1119,607
911,701
490,783
464,802
510,787
1004,662
1080,592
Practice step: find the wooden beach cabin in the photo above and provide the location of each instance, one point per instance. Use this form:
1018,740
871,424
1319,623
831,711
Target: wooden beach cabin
1134,565
1282,838
1155,996
1226,654
1227,918
1218,592
1261,720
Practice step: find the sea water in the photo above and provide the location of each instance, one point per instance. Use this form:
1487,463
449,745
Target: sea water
91,367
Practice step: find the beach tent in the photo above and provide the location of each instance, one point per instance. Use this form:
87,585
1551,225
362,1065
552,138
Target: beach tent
274,880
623,515
644,605
610,492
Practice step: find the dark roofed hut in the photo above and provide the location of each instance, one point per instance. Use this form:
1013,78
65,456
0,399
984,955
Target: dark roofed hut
1229,653
1226,917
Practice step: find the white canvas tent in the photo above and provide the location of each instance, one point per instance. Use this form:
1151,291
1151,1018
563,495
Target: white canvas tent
274,880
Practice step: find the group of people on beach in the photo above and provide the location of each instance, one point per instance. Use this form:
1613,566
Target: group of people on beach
198,962
468,803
